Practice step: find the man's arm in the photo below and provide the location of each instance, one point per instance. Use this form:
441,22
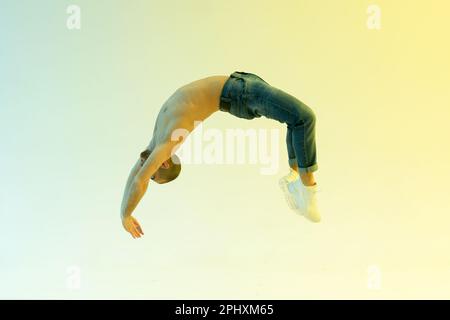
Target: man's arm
137,166
129,223
137,186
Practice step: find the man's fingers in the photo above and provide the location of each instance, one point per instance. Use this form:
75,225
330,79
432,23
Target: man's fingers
135,232
138,226
131,230
134,228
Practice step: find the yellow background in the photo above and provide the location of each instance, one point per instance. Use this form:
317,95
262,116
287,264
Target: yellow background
78,106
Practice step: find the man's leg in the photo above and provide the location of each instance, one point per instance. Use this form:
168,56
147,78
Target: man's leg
301,145
263,99
306,176
303,141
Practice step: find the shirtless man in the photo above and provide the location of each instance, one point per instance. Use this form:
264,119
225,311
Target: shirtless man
244,95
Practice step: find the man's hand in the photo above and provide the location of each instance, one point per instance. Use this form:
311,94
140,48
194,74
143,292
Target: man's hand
132,226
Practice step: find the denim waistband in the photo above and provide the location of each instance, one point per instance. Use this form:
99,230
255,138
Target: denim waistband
231,90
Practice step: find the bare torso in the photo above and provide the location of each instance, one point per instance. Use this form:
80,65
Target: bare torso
189,104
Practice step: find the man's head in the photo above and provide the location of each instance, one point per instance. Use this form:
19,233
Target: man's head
168,171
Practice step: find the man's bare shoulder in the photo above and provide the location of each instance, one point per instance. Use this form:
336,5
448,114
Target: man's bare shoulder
164,147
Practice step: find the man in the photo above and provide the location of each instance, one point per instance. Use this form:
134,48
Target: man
244,95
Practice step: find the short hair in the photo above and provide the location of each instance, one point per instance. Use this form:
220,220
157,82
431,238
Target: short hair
173,171
168,174
144,155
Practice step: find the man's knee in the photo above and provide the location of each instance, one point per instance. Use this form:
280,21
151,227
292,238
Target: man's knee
311,116
303,115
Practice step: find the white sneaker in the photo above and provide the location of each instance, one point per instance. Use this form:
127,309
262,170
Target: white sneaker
300,198
291,186
309,203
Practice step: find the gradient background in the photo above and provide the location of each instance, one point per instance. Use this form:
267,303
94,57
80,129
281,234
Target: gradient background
78,106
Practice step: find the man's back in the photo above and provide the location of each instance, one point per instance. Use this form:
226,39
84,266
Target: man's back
192,102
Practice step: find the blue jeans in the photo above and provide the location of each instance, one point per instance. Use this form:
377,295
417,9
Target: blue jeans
246,95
